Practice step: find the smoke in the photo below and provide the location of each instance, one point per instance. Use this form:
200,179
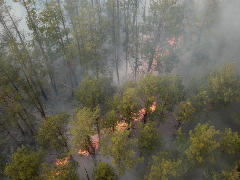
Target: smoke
217,42
212,40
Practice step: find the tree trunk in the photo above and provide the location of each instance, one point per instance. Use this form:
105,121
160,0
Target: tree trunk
30,60
40,43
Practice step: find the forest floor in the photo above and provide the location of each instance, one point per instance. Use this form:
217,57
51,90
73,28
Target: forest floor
65,103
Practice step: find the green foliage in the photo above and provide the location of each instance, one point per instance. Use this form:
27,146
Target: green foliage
202,143
148,87
84,30
66,172
165,90
129,104
180,138
24,164
93,92
230,142
111,120
184,113
3,162
104,171
51,133
91,34
170,13
222,88
201,100
171,91
120,148
224,85
230,174
164,167
148,139
82,128
49,26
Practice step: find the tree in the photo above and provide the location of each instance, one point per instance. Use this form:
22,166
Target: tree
14,99
111,120
164,21
27,63
148,139
94,92
229,174
127,21
104,171
120,148
89,27
171,90
62,172
113,8
164,167
148,87
129,104
82,128
18,54
202,144
230,142
53,28
33,25
24,164
223,85
51,133
184,113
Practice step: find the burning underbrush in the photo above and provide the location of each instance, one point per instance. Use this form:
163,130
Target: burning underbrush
161,51
93,147
120,126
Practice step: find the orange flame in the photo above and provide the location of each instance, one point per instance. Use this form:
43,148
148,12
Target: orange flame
95,145
171,41
154,65
142,112
62,162
175,42
153,106
140,115
121,126
145,37
83,152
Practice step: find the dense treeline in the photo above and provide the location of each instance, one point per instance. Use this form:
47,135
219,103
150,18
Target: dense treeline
124,67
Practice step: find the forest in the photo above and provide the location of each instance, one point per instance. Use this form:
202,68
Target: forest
120,89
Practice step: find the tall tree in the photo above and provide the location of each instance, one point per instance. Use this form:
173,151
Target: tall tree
33,25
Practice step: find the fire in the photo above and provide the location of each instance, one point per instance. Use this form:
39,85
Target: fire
175,42
62,162
153,106
154,65
83,152
121,126
159,51
145,37
140,115
171,41
142,112
95,145
156,56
